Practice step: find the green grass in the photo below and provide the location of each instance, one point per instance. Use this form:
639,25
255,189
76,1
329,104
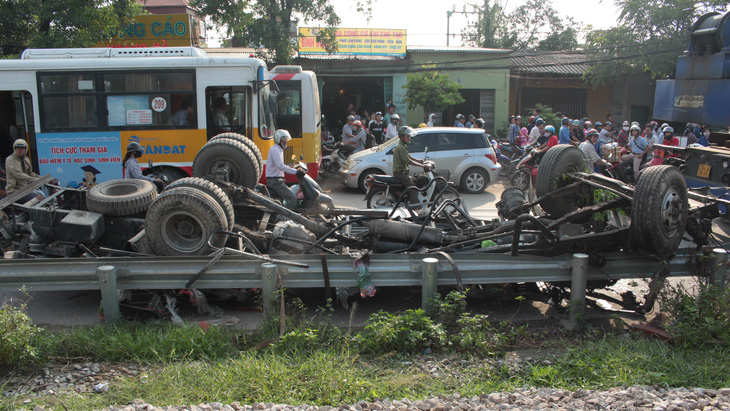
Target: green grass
339,374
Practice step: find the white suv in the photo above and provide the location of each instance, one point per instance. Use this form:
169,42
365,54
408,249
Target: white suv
465,152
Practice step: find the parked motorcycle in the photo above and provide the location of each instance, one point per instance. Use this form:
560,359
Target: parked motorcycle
504,161
332,160
384,191
525,169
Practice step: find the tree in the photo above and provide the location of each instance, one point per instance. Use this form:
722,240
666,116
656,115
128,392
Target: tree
535,24
267,24
60,23
433,91
649,38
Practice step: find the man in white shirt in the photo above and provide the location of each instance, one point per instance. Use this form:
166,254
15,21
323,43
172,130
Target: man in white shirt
536,131
220,119
392,130
275,170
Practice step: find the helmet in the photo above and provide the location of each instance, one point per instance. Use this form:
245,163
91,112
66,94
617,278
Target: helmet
668,129
518,118
598,124
540,121
576,123
654,123
406,131
550,129
591,132
281,135
378,113
357,123
635,123
510,118
532,119
422,125
588,123
635,127
480,122
20,143
459,116
349,118
471,116
608,123
395,117
626,123
135,149
565,120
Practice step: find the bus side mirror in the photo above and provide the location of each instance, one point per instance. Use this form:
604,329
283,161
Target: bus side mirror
274,103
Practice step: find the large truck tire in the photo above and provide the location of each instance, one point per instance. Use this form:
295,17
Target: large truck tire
558,161
659,211
121,197
180,221
246,142
212,190
230,154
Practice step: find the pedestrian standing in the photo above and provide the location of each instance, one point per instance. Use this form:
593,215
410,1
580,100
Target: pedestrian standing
377,128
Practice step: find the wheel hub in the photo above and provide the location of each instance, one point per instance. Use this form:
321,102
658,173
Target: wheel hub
671,212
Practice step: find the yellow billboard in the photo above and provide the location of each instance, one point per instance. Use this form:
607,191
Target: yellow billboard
369,42
154,30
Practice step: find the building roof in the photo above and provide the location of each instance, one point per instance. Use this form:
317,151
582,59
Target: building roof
456,49
162,3
549,62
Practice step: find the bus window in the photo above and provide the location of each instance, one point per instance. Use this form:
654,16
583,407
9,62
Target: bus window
68,101
289,110
229,109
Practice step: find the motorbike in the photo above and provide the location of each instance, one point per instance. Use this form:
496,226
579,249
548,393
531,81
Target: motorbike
511,151
332,159
504,161
525,169
157,173
308,193
385,191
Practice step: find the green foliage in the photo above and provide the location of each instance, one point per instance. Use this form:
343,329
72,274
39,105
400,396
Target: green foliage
411,331
546,113
60,23
649,38
697,316
433,91
534,24
19,338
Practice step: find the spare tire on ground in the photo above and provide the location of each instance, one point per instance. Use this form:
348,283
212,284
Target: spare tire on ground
659,211
555,164
180,221
212,190
121,197
230,156
246,142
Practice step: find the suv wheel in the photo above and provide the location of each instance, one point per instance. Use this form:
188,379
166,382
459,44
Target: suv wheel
474,180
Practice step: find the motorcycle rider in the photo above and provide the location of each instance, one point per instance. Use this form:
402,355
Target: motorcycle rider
131,165
357,141
639,147
588,148
536,131
401,161
20,173
275,170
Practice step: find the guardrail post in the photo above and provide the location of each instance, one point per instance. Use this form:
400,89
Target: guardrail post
429,282
108,283
268,279
718,267
578,285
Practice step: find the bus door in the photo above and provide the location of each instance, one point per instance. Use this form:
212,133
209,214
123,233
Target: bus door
16,121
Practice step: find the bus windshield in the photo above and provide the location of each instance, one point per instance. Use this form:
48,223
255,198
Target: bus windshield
267,111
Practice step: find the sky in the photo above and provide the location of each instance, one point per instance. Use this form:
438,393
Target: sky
425,20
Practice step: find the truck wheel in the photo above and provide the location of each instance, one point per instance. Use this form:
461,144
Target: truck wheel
121,197
659,210
379,198
557,162
212,190
474,180
228,155
246,142
180,221
521,179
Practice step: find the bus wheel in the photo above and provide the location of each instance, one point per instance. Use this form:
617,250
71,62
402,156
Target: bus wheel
248,143
212,190
230,157
180,221
121,197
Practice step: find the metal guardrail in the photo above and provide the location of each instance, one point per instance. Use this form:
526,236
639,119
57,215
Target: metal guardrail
385,269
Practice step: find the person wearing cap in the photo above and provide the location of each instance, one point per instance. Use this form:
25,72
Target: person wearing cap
356,142
392,129
89,179
537,131
564,133
19,172
402,160
470,122
460,121
514,129
131,167
623,135
669,140
275,170
522,139
576,133
606,135
347,128
588,148
639,148
377,128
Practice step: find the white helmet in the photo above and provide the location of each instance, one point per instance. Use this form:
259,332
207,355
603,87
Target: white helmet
394,117
281,134
20,143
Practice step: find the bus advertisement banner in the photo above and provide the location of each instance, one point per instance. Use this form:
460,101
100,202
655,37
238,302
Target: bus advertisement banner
369,42
77,159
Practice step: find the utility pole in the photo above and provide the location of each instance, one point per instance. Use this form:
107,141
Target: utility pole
449,13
